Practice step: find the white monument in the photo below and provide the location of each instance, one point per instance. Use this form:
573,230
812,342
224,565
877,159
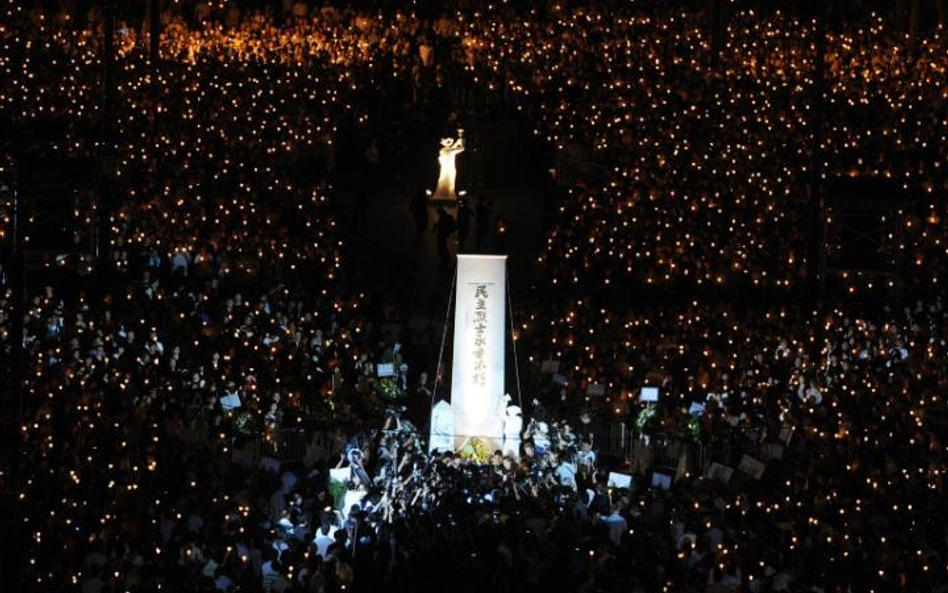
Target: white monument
450,148
478,407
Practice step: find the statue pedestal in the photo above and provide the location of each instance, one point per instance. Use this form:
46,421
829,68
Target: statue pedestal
443,198
446,202
494,433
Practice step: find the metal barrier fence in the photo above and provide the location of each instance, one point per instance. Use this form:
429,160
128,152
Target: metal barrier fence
291,445
640,451
670,453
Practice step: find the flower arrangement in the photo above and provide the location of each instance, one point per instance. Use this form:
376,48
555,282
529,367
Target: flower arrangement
476,450
388,388
694,428
243,423
337,489
644,417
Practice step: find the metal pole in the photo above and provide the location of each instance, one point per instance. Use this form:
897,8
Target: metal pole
444,337
513,340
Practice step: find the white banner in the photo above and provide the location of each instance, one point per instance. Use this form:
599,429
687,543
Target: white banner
477,377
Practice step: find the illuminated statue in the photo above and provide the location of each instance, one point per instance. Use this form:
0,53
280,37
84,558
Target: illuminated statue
450,148
442,427
513,425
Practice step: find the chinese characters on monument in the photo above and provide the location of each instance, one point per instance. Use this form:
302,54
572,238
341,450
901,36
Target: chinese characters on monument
480,331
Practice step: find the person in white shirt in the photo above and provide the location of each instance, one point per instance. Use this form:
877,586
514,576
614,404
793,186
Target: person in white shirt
353,498
615,525
587,457
324,536
566,474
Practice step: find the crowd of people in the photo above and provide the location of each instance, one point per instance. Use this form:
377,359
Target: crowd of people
227,312
714,167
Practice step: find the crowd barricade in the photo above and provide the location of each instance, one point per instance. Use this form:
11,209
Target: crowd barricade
611,439
676,454
291,445
683,455
642,451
